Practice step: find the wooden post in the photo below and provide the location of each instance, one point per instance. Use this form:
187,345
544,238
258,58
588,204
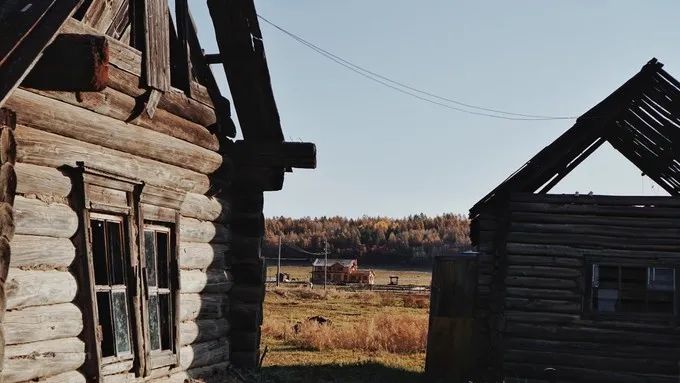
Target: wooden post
278,265
451,336
325,264
8,184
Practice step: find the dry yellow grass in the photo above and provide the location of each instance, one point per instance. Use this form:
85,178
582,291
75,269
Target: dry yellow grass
373,336
401,335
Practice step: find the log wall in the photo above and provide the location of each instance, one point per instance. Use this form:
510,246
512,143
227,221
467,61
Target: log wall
546,243
175,150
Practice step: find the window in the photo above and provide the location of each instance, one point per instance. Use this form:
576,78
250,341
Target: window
131,274
632,289
110,275
158,256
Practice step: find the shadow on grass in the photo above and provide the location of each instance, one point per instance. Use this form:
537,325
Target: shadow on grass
346,373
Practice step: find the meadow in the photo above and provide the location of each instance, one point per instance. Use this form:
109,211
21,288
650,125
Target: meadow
371,337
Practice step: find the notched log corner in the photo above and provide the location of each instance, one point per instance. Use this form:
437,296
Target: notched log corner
73,62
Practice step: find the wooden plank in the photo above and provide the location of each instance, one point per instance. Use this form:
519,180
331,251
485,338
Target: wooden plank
157,44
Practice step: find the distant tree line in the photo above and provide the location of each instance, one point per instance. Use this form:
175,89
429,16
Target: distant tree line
372,239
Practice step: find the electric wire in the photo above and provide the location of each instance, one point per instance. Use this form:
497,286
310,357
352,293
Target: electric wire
409,90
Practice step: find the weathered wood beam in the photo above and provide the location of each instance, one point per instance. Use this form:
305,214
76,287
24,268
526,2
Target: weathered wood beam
70,121
275,154
240,43
72,62
29,361
25,32
41,148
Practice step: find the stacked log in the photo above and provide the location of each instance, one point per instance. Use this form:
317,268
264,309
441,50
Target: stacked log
549,242
220,230
8,185
248,269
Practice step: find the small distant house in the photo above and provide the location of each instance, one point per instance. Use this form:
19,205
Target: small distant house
340,271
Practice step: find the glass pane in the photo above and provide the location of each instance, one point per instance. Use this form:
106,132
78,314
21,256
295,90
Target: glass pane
99,252
605,288
633,290
661,279
162,242
104,311
150,257
153,323
166,321
120,314
114,233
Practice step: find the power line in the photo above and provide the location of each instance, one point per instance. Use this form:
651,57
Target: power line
409,90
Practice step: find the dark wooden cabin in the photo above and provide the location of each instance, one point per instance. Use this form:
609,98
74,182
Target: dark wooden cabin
130,218
586,284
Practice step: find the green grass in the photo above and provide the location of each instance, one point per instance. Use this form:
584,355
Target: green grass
382,274
287,362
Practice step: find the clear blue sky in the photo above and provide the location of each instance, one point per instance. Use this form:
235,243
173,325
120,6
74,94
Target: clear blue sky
384,153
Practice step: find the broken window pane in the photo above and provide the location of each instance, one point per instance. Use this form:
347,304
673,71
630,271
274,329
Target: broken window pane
99,253
154,329
114,234
165,309
150,257
104,310
162,242
120,316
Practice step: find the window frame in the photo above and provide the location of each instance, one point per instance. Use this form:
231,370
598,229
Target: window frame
589,312
113,288
101,194
168,223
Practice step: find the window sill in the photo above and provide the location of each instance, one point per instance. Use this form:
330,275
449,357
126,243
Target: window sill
159,359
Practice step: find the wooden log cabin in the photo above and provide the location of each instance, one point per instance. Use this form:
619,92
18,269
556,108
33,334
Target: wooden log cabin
586,285
130,218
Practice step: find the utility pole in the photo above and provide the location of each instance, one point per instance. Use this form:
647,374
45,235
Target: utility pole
278,265
325,264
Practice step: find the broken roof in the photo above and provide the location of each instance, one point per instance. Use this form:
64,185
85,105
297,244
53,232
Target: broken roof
641,120
331,262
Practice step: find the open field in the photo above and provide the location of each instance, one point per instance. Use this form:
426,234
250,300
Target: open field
406,276
373,337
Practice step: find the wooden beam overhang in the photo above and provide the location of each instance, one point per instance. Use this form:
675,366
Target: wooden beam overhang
73,63
275,154
26,28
